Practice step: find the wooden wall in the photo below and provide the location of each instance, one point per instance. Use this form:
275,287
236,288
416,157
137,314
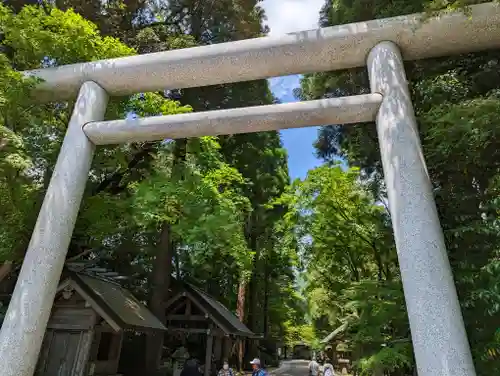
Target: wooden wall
74,345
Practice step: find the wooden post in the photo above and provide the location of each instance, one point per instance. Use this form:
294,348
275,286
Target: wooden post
115,350
218,348
226,348
208,354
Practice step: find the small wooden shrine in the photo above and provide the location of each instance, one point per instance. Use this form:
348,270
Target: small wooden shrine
90,315
337,349
191,311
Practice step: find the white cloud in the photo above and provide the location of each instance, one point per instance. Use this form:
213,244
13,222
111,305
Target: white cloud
286,16
282,87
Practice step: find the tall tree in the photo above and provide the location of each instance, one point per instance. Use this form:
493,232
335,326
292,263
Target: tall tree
455,100
32,134
259,157
352,281
203,183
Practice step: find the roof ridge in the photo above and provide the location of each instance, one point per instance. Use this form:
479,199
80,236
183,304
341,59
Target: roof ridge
221,309
92,274
100,277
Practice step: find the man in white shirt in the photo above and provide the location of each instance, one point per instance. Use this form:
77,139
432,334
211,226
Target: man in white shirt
313,367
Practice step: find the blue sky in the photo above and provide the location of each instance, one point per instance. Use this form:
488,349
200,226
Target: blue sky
285,16
298,141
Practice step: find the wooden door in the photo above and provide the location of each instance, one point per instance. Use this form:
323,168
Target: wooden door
64,353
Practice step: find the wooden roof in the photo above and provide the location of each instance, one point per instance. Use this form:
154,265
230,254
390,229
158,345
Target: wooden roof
119,308
219,314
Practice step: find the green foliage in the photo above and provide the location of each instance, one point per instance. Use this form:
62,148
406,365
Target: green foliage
233,215
152,104
456,101
352,278
387,360
218,196
302,334
58,37
30,133
343,220
200,200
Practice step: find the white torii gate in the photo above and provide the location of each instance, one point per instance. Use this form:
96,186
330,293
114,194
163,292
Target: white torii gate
439,339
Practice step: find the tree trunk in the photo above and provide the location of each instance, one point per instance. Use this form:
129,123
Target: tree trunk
378,260
253,314
240,312
388,273
160,278
266,302
162,272
352,266
5,270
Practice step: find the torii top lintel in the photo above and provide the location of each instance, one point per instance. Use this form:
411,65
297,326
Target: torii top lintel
327,49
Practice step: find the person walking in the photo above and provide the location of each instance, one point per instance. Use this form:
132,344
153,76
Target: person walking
191,368
313,367
328,368
257,369
225,371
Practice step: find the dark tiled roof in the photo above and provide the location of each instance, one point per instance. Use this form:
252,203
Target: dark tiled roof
118,303
220,312
221,316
